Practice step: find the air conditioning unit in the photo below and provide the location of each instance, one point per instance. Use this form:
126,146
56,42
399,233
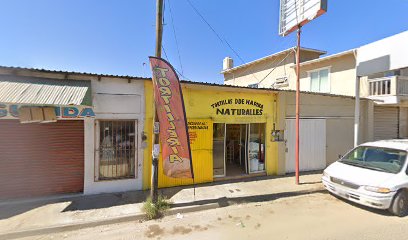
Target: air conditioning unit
281,82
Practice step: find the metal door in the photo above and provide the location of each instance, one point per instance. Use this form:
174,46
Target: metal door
385,123
312,149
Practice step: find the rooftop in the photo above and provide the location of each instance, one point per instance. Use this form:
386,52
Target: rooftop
272,56
205,84
15,69
328,57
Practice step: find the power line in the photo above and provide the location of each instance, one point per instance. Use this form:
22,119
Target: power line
215,32
222,39
175,36
178,72
275,66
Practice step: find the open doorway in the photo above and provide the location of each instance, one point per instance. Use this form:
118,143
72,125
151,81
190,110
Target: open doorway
238,149
235,141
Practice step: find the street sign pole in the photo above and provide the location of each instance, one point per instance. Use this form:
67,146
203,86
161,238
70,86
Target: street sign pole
297,104
294,15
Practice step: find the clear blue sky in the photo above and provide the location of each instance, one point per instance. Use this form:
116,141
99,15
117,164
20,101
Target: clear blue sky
117,36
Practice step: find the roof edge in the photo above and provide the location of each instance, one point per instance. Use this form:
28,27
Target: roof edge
42,70
339,54
321,52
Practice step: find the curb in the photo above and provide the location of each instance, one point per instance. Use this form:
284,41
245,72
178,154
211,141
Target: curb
90,224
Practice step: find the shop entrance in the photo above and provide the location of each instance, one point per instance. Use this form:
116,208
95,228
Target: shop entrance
238,149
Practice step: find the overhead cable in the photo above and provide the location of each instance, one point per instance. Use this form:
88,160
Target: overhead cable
175,36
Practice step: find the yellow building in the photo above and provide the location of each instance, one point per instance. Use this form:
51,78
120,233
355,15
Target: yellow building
230,132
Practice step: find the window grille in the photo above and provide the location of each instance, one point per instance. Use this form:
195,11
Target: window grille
117,146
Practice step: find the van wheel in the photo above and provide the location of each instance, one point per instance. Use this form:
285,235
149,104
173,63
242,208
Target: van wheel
399,206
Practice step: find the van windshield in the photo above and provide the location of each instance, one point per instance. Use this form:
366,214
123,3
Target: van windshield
376,158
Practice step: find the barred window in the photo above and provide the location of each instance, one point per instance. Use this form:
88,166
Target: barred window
116,152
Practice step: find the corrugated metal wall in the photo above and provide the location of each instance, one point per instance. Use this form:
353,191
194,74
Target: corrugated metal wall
385,123
201,139
41,159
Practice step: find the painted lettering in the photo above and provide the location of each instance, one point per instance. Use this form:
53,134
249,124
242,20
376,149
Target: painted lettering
167,108
87,112
170,117
166,99
174,157
165,91
173,142
164,81
70,112
172,133
166,94
3,110
162,71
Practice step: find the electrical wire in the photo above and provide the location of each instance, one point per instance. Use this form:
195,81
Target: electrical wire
275,66
222,39
178,72
175,37
215,32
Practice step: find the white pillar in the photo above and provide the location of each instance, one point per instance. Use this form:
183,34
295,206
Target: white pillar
357,112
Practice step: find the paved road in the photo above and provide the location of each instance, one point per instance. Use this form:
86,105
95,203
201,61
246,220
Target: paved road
313,216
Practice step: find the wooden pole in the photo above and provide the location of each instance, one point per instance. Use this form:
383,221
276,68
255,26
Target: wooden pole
155,152
297,104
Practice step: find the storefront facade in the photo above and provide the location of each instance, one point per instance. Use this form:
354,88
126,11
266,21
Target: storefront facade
42,147
113,138
103,143
230,133
92,145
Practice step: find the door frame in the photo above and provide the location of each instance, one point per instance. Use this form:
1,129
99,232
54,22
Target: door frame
225,137
246,160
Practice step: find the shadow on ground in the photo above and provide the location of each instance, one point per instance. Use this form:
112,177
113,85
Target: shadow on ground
88,202
226,201
382,212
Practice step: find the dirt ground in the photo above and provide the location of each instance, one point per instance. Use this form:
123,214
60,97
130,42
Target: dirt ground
313,216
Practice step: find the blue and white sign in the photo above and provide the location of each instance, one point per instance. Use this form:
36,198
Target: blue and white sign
10,111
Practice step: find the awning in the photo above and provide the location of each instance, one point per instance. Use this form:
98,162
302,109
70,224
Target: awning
44,91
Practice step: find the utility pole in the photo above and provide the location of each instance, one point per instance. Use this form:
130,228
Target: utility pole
156,126
297,104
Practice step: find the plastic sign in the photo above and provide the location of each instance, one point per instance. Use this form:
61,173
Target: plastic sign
296,13
174,138
11,111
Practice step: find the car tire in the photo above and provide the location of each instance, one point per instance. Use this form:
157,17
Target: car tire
399,205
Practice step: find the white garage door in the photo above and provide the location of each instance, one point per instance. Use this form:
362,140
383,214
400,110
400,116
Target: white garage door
385,123
312,149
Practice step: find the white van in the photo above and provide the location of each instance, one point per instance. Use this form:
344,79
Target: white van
373,174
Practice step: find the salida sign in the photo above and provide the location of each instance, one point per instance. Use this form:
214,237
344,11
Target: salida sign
228,107
11,112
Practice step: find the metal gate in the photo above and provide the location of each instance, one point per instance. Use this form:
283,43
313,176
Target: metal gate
312,149
41,159
386,122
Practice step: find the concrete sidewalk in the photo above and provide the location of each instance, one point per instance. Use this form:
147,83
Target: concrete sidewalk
39,216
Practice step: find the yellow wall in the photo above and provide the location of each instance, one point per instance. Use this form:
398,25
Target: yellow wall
198,100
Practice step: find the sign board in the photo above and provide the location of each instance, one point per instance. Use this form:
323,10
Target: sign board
174,138
238,107
296,13
11,111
